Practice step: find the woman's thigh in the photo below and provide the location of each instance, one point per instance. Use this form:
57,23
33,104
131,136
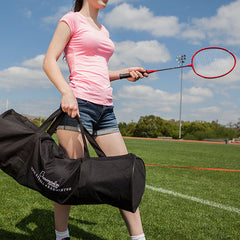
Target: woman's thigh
72,142
112,144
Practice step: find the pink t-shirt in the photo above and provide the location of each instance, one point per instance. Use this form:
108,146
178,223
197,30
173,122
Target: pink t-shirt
87,53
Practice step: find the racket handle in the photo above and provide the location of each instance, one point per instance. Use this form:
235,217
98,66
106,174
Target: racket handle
124,75
127,75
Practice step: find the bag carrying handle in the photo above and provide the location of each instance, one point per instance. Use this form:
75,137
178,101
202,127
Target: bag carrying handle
55,123
54,120
94,144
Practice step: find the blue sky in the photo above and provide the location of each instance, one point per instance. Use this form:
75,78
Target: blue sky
146,33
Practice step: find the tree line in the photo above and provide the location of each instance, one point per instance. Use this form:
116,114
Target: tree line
152,127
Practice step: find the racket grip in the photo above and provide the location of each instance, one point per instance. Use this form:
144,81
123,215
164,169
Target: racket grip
124,75
127,75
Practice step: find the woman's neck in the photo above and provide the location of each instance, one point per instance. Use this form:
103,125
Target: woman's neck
89,11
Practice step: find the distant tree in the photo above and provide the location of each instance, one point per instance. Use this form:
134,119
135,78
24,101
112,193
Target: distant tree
152,126
131,128
237,125
123,128
148,126
127,129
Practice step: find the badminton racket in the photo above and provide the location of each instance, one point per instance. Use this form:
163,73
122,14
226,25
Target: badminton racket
210,62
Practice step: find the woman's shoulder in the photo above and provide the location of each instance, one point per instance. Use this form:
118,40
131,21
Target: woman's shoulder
72,21
70,15
74,17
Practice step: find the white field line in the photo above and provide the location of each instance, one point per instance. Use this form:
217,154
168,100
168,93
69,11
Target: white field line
205,202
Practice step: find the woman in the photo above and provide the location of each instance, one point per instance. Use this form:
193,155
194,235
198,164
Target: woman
87,49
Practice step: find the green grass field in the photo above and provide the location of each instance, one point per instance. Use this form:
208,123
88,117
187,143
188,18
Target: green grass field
183,203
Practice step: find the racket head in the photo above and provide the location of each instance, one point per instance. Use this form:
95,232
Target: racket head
213,62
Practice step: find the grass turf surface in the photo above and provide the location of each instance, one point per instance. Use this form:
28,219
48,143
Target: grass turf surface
25,214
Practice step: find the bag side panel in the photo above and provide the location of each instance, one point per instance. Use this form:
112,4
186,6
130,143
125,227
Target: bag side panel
107,180
138,181
15,140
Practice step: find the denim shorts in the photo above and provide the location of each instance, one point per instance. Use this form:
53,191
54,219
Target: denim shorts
97,119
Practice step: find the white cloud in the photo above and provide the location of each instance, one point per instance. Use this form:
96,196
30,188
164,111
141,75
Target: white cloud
229,104
205,111
157,97
196,95
223,28
21,77
142,19
131,53
27,13
115,2
211,113
208,113
28,75
191,33
34,62
198,91
143,100
147,94
53,19
43,107
228,80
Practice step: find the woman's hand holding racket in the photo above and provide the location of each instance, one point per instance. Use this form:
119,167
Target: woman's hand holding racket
135,73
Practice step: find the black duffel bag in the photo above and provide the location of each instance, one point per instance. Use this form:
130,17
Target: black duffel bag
30,155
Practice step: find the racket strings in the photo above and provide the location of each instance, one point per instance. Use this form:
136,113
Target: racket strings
212,63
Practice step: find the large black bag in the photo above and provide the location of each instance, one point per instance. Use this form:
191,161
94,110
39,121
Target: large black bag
30,155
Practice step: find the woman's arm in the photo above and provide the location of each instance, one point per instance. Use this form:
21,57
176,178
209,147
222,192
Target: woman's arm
51,68
135,72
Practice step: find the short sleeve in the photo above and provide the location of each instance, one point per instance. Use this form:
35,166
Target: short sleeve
69,19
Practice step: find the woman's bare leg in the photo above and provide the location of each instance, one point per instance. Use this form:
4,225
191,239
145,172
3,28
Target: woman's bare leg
72,143
113,145
61,215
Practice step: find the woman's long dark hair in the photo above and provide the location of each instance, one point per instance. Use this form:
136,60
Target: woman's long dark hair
78,5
